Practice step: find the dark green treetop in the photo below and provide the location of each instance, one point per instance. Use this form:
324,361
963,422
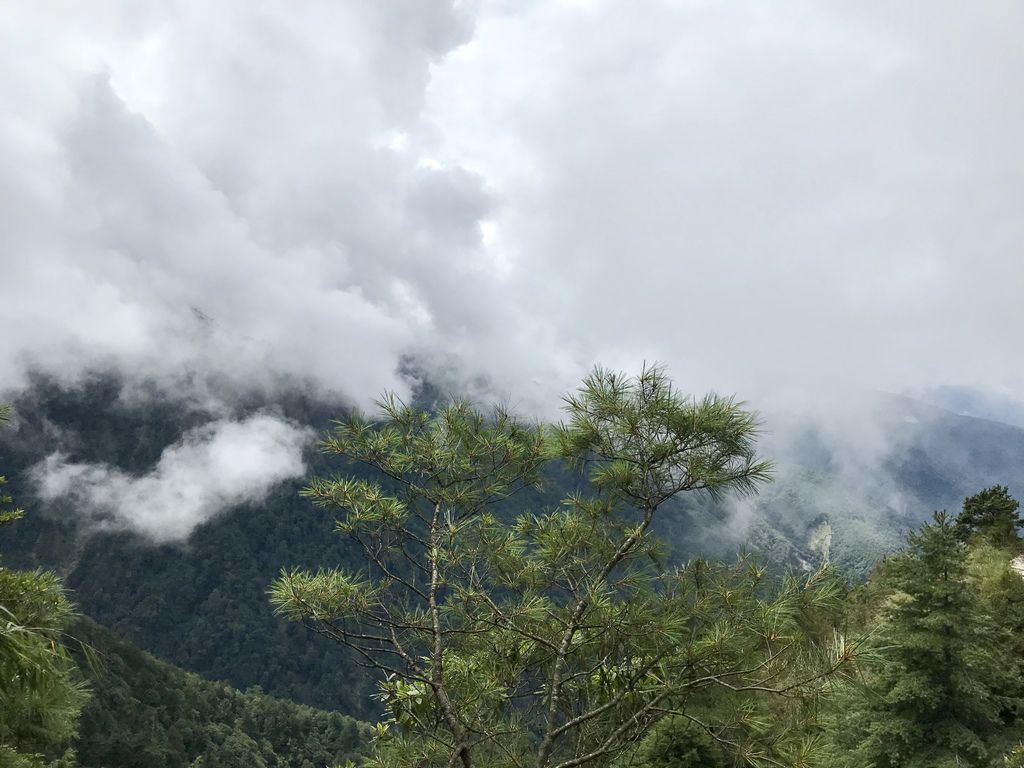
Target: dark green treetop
937,697
991,513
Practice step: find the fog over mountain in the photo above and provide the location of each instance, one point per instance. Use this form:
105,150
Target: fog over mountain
219,465
793,203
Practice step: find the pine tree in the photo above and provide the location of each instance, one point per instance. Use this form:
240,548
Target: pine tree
677,743
934,698
551,638
991,513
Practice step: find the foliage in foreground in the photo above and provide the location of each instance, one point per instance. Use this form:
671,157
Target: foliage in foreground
947,690
556,638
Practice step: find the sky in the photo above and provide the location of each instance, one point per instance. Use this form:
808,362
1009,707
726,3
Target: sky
779,200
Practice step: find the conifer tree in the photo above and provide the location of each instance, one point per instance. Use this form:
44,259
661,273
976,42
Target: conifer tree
550,638
934,699
677,743
991,513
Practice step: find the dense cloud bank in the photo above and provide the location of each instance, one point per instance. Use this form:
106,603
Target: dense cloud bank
787,202
194,191
775,198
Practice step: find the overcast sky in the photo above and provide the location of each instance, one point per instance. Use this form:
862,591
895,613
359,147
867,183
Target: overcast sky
772,198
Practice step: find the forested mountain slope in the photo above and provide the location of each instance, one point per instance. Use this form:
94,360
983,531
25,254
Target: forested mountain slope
202,605
145,713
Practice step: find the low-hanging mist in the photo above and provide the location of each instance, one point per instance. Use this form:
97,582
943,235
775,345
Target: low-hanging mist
212,468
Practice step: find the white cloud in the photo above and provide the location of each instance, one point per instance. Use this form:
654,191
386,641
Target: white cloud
780,200
192,191
212,468
771,197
